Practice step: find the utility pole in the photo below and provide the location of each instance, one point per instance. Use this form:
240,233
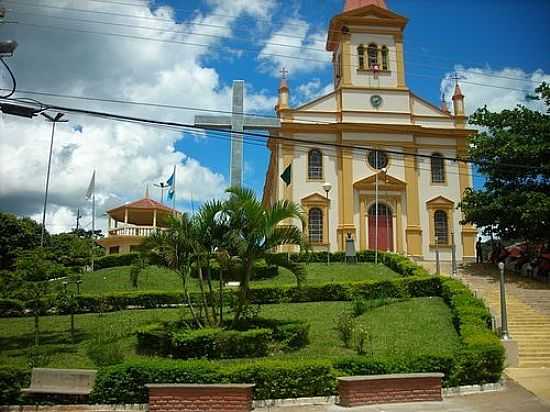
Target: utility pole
78,216
54,121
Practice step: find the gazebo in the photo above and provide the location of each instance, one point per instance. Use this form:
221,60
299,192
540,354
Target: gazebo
132,222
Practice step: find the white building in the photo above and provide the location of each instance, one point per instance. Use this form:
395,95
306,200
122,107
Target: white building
372,131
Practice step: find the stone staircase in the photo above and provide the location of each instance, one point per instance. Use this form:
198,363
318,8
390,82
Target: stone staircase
529,327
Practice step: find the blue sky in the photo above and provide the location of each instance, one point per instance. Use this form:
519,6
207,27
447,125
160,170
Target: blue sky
440,34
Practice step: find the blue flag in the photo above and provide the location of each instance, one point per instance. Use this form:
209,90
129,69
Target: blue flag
171,180
171,193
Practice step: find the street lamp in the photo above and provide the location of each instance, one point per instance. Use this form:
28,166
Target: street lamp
503,314
53,120
327,186
7,48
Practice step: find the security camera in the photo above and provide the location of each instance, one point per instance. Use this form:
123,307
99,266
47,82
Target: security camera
7,47
2,12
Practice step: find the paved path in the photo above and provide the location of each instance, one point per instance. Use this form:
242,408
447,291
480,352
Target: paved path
513,398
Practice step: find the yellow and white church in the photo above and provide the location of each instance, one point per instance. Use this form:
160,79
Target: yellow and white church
373,148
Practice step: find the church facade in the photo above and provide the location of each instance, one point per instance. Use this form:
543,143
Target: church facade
371,160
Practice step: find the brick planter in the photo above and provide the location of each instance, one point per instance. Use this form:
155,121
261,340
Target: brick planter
368,390
211,398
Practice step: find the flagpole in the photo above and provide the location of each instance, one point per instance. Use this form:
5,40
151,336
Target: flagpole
376,210
174,191
93,227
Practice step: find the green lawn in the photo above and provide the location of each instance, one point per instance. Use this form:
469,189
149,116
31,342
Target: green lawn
158,278
415,326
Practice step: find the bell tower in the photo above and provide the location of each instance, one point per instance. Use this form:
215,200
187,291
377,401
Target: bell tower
366,40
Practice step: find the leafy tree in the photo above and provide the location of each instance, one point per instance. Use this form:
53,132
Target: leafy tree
34,269
71,250
256,231
513,152
18,235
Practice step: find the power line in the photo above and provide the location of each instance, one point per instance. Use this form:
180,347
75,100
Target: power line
226,37
277,138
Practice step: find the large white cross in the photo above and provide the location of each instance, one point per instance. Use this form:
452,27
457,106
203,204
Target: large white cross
237,122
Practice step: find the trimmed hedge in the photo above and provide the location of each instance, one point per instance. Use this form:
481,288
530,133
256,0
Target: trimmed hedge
125,383
111,261
406,287
481,358
11,308
252,339
12,380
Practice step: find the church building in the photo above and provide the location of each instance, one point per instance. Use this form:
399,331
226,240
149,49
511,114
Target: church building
373,161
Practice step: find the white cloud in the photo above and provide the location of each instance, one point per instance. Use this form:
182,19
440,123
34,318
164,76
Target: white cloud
507,88
126,156
310,90
301,53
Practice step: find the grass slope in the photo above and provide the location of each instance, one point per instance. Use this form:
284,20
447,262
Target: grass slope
159,278
416,326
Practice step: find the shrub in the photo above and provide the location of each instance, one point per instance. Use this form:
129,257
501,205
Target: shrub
11,382
361,337
105,349
110,261
261,270
481,358
369,365
345,327
11,308
217,343
125,383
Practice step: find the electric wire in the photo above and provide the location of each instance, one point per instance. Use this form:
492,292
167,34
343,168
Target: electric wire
14,82
300,47
225,28
264,136
300,58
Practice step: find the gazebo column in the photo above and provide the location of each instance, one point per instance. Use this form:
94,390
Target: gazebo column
110,222
125,217
154,218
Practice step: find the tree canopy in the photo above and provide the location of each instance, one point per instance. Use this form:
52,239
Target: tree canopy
513,152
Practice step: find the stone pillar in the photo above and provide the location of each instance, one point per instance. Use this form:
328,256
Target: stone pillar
414,230
345,191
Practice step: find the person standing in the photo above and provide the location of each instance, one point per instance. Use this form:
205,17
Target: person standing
479,251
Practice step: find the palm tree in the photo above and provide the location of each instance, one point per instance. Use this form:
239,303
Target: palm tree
256,231
177,248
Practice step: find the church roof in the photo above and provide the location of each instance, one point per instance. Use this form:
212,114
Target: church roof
357,4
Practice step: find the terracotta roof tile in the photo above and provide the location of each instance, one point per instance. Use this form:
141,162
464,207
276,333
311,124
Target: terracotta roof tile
357,4
144,204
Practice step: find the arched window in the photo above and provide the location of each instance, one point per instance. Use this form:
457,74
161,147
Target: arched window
361,55
315,225
385,65
441,227
372,52
315,164
438,168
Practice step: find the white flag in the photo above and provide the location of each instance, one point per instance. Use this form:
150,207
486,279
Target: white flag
91,188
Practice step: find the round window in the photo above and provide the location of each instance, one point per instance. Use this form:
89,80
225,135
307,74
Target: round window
377,159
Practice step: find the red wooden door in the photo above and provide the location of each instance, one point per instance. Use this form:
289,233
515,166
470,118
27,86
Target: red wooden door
385,232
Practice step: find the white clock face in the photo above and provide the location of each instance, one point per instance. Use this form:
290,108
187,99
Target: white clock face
376,100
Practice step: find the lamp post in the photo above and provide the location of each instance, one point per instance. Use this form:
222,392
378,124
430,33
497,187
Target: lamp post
162,186
327,186
503,314
54,121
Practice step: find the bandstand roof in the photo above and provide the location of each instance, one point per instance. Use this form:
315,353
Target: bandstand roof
141,212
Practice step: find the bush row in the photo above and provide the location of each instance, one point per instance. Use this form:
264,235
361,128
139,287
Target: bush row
405,287
254,341
12,380
111,261
125,383
397,263
481,358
